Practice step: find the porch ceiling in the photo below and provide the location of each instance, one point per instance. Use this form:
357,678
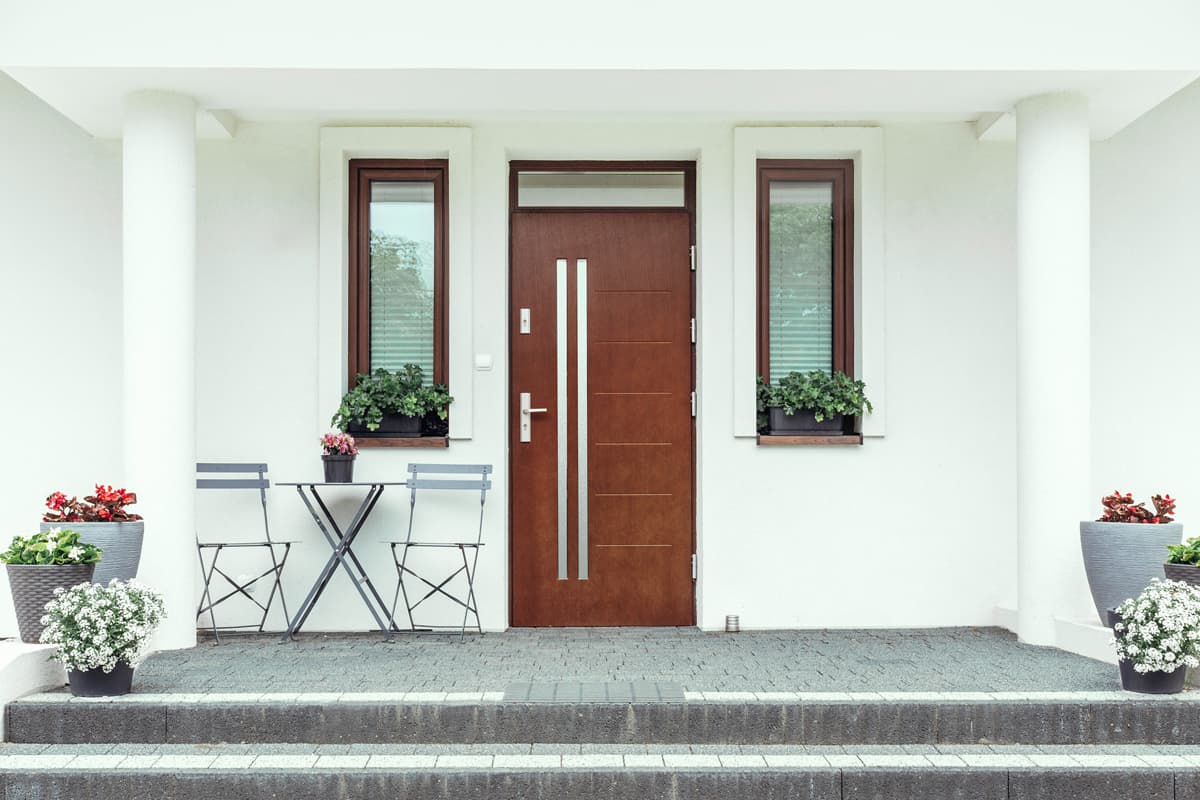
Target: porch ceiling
92,97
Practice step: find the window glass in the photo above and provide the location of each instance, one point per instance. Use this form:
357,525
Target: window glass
800,276
402,270
600,189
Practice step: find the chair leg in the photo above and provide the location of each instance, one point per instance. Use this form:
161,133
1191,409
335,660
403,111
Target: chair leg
207,596
276,586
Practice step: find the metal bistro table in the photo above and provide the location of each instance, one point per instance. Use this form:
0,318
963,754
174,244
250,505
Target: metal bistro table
342,552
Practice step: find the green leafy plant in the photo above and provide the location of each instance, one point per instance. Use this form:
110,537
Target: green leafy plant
386,392
55,546
1186,553
825,394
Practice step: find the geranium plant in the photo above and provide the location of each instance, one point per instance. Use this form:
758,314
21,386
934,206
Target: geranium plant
1120,507
100,627
338,444
385,392
1159,630
55,546
106,505
825,394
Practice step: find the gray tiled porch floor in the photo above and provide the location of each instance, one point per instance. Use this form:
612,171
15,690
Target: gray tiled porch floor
939,660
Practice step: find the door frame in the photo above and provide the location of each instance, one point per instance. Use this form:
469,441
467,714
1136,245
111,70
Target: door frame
515,168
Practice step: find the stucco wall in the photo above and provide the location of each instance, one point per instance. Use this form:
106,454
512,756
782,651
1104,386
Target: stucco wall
887,534
1145,291
60,330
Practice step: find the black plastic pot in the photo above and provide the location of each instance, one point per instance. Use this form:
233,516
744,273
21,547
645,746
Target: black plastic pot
1188,573
803,423
338,468
96,683
1146,682
1152,682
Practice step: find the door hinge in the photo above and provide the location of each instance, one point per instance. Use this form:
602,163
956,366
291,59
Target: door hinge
693,404
695,571
693,255
693,330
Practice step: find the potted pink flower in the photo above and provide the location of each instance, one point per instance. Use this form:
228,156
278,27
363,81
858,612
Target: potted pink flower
338,451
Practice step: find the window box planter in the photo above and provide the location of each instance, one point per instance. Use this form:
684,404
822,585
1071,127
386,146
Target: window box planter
400,426
803,423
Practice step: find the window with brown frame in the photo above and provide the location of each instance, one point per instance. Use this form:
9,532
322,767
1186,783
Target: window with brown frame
805,266
398,288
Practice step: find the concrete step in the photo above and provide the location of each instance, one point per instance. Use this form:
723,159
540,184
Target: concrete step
367,772
1107,718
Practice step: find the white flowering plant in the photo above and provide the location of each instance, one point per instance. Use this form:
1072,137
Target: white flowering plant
1159,630
99,627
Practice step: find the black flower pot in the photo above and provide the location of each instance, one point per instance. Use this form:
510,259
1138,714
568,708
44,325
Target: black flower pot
338,468
98,683
1188,573
399,426
803,423
1151,682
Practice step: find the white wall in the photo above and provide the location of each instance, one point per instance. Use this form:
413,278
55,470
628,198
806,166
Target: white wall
1145,286
60,331
790,536
890,533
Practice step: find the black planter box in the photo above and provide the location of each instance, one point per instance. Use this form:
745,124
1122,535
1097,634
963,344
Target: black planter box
392,425
804,423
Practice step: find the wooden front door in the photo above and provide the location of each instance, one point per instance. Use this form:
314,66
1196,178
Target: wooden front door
602,480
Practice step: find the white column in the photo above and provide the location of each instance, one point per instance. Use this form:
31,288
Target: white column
159,239
1053,352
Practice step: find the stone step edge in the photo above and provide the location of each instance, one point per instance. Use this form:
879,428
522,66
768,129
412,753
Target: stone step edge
459,698
567,761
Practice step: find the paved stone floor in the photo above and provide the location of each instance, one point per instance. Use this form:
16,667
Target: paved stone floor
938,660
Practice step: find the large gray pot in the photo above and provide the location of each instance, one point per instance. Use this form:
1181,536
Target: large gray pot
120,541
1121,558
33,586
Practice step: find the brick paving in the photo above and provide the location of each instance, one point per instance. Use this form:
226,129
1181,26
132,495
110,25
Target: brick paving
937,660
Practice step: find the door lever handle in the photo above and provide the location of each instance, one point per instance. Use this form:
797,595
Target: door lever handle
526,415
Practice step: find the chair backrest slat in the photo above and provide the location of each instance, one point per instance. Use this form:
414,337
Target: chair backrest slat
232,483
209,466
451,469
435,483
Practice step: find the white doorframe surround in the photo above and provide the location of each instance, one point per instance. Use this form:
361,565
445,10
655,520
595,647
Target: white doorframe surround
338,146
865,146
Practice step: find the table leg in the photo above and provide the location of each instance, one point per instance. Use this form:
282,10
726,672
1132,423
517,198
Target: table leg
341,546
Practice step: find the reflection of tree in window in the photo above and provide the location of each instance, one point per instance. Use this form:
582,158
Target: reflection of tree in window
800,293
401,302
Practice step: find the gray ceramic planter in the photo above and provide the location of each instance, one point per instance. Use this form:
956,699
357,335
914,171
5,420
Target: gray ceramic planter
1122,558
120,541
1187,573
33,586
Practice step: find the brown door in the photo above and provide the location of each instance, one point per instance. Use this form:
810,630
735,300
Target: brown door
602,537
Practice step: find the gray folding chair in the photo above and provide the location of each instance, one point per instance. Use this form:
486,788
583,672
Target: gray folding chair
424,478
236,477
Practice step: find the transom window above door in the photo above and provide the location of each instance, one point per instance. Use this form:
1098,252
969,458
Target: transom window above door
805,266
397,280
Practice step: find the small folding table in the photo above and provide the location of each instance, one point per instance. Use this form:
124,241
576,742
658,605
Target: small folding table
342,542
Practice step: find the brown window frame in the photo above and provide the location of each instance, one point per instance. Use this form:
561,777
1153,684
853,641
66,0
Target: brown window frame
839,172
362,173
